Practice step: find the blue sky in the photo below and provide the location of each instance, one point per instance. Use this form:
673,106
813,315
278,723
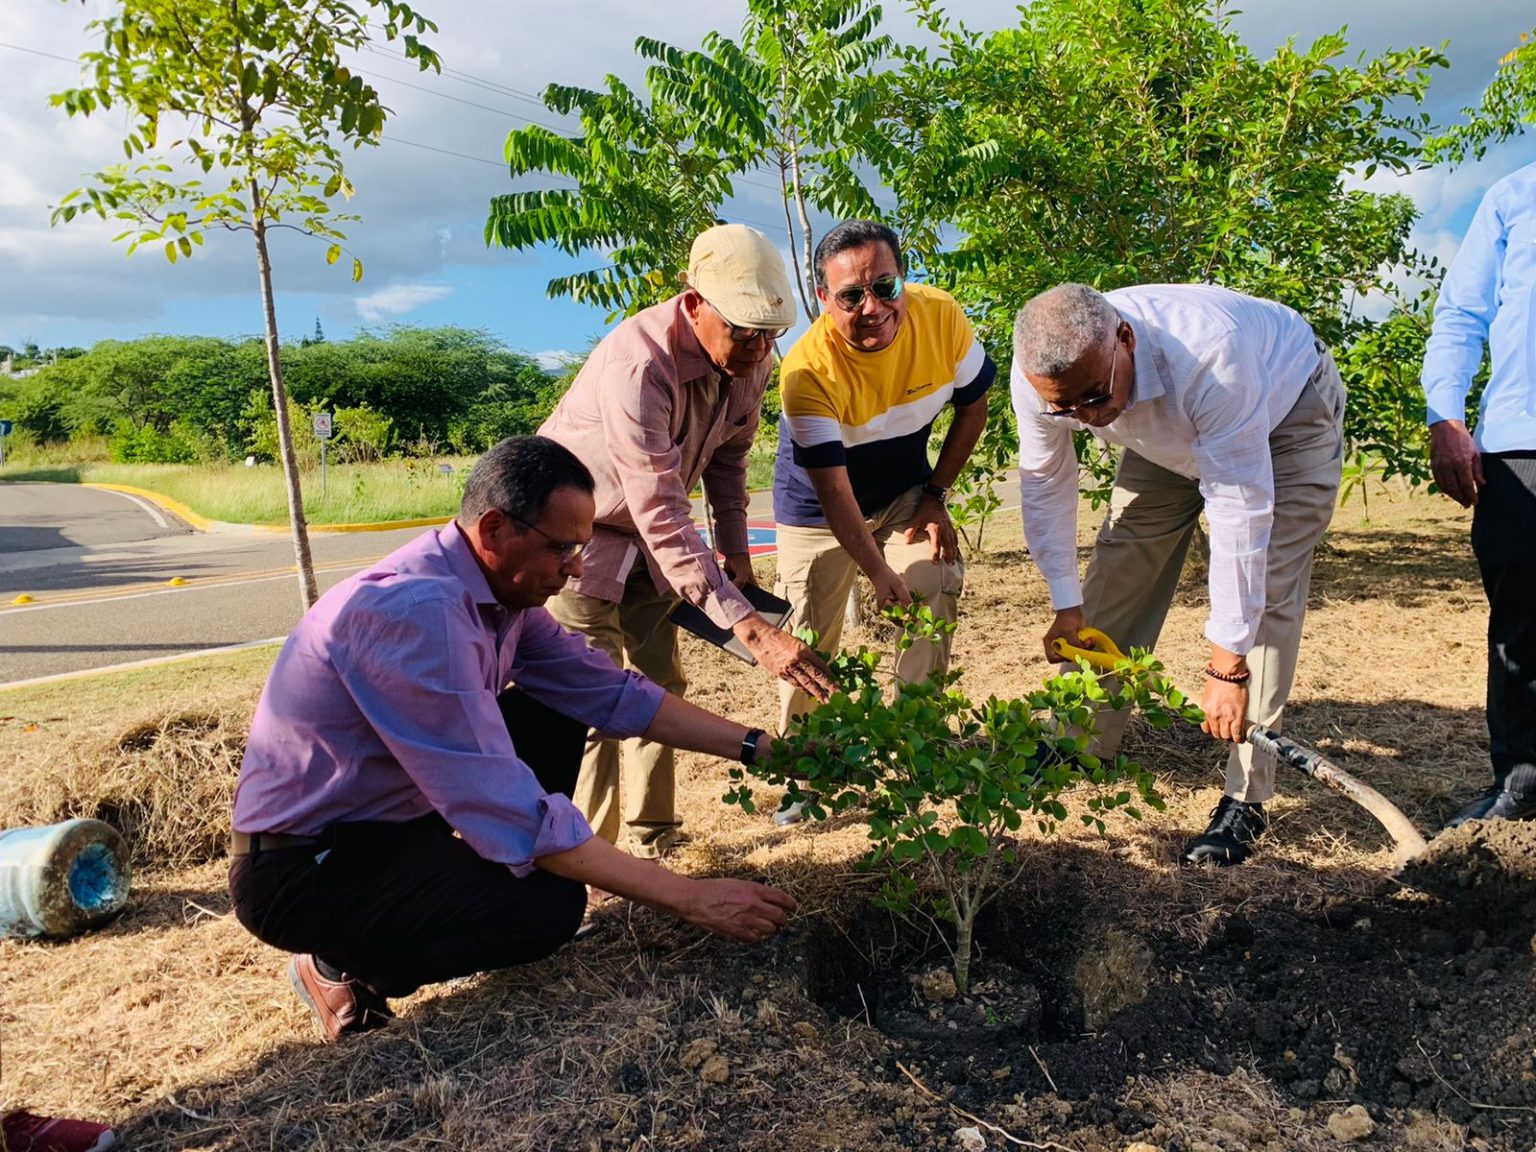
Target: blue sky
423,193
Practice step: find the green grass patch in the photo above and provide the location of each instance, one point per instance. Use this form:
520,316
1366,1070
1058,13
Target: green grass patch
394,489
404,489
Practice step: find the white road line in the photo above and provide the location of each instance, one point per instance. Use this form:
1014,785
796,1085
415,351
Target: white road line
142,503
82,673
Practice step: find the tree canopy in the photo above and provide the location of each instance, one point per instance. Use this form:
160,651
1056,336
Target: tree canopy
788,102
176,399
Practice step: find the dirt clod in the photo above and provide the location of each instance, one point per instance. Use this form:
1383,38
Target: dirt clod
698,1052
1113,976
1354,1123
716,1069
938,985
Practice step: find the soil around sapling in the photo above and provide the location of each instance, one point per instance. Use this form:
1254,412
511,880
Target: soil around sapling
1415,999
1236,1009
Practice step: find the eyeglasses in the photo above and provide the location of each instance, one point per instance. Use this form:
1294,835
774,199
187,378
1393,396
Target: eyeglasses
882,288
747,335
1098,399
568,550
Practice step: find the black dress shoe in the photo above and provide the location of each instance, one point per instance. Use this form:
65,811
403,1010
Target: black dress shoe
1496,804
1229,839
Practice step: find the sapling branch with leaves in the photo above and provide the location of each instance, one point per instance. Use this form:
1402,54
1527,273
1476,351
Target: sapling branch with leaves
945,784
254,99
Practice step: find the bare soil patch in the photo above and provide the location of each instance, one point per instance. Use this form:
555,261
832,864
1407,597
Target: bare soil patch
1118,998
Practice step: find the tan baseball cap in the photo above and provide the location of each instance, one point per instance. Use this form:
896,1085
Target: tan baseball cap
739,271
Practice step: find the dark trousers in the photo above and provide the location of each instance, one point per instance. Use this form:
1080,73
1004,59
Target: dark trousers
399,905
1504,541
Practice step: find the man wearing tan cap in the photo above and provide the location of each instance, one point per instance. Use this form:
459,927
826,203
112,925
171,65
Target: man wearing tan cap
671,397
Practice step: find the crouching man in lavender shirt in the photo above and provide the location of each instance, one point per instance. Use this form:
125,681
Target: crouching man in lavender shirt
403,813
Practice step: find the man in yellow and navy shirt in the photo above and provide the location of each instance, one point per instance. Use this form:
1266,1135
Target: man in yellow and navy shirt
860,393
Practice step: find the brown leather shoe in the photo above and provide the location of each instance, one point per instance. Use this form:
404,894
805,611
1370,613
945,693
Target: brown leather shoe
342,1006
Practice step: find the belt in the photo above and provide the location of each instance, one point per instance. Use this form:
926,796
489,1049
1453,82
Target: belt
250,843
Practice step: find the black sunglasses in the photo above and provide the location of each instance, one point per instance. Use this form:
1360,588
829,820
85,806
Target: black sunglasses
568,549
1098,399
882,288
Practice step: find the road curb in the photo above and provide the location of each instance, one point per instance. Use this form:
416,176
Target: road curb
203,524
378,526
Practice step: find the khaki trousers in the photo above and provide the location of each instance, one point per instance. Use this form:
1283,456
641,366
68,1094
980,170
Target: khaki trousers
1146,532
630,797
816,574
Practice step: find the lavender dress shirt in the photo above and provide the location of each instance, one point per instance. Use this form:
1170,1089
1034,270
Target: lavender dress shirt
382,706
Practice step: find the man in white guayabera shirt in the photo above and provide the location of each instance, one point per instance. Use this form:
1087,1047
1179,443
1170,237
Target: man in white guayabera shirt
1220,402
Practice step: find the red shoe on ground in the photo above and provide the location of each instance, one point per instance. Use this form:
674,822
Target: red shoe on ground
24,1132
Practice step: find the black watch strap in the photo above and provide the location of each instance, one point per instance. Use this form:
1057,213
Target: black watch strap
932,489
749,744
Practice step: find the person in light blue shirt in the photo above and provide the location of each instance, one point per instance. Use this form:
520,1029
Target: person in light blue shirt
1487,299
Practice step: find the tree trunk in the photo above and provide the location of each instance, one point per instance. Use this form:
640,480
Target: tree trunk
308,591
806,247
965,927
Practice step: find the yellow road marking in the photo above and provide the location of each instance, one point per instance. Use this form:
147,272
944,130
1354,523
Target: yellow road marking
92,595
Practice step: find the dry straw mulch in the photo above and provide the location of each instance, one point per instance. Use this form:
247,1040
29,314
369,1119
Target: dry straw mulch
176,1025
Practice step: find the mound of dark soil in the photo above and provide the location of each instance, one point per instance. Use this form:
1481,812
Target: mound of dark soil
1415,1000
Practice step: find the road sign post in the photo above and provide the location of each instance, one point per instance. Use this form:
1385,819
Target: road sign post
322,425
5,432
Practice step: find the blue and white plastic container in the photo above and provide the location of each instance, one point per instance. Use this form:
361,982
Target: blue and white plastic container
62,878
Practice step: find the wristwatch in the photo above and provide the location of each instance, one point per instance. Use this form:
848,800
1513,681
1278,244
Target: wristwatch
749,743
932,489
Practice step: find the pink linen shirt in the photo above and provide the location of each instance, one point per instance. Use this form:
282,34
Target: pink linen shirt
651,416
382,706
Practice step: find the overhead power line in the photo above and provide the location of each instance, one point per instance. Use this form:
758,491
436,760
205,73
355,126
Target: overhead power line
35,52
464,77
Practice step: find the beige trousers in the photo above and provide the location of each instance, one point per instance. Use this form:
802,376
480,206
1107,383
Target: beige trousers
816,574
1146,532
630,797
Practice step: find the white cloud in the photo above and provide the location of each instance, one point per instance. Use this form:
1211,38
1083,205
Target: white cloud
424,194
398,299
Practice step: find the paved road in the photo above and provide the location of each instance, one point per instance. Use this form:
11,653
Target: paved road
97,567
42,517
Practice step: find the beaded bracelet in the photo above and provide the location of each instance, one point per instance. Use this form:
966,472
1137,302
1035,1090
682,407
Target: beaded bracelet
1228,677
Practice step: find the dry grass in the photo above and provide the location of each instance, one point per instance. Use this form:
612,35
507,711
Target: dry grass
154,753
174,1023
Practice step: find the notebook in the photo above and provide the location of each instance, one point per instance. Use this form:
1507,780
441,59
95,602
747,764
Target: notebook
773,609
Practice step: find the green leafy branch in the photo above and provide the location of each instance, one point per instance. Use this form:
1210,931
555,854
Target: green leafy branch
945,783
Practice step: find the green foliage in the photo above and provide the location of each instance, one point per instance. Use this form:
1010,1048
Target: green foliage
264,443
180,443
1117,142
789,100
947,783
1384,414
439,385
362,436
260,87
975,499
1507,106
